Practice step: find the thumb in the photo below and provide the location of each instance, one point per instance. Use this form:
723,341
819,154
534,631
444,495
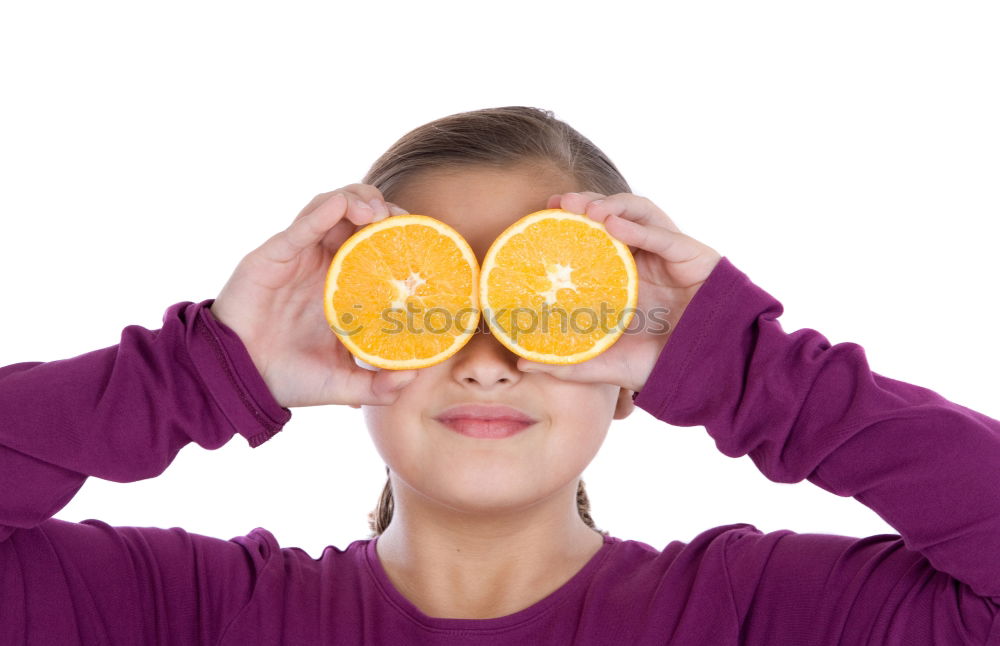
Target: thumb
569,372
593,370
367,388
386,384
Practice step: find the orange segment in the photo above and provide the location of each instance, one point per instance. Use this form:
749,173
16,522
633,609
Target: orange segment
556,287
402,293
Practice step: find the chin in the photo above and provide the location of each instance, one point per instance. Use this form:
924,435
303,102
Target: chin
492,488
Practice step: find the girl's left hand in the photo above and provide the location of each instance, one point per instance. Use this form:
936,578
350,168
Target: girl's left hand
671,266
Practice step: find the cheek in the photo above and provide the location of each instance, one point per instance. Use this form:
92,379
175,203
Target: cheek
582,413
583,404
383,428
394,429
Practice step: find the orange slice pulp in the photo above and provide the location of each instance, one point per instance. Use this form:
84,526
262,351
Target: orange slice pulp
556,287
402,293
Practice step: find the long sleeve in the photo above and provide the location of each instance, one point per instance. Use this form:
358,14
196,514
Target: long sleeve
122,413
802,408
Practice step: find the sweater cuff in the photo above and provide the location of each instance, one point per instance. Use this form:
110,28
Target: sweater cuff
231,376
696,324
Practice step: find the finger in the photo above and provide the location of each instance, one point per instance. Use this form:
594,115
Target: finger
338,235
576,202
307,230
316,201
555,201
631,207
670,245
363,196
345,228
595,370
381,209
361,213
366,388
370,196
358,210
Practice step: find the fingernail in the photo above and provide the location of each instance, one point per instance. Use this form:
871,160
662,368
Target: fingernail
396,210
381,212
364,207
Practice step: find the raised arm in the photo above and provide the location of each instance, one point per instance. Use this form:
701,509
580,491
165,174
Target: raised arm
234,364
802,408
122,413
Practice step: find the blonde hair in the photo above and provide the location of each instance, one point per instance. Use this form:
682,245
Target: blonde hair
496,137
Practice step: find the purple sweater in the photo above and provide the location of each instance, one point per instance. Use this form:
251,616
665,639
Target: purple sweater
799,407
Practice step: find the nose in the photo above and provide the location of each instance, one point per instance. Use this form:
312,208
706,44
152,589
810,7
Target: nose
484,362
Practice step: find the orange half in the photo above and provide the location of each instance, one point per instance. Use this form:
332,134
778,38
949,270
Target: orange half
556,287
401,293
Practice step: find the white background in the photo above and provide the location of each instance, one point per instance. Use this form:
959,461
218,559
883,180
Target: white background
845,156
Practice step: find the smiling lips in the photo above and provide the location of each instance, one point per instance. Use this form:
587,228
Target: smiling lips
487,421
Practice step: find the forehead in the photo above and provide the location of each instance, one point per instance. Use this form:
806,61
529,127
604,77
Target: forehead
480,202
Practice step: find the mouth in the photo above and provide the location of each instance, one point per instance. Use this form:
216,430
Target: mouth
485,421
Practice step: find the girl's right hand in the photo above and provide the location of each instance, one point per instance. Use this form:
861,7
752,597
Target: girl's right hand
273,301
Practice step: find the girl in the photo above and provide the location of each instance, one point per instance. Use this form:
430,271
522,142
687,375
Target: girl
489,541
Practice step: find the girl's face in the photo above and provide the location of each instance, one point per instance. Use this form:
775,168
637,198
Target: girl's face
474,474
